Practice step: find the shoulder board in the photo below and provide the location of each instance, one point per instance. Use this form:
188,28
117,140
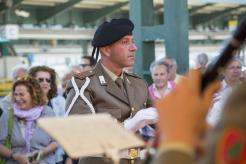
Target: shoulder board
85,74
133,75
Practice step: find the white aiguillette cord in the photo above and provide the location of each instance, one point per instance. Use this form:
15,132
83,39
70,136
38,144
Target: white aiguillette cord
81,94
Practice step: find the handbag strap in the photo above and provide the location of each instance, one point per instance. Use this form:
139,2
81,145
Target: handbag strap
10,123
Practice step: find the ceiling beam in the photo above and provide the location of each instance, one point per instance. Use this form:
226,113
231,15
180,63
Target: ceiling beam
193,10
207,18
16,3
95,15
221,1
51,12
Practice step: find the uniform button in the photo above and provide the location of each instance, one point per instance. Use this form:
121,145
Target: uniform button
133,109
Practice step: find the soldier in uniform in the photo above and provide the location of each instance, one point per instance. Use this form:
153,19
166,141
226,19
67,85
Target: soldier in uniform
108,89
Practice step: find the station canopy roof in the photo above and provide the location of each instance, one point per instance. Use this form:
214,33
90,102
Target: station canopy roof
89,11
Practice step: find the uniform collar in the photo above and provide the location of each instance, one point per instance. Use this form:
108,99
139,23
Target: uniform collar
111,74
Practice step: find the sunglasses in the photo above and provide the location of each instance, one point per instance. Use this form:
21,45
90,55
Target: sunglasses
84,65
40,80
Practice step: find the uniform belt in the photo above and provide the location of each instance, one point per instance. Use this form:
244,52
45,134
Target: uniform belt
100,160
131,161
132,153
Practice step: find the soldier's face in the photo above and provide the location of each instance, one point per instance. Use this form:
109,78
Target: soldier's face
122,52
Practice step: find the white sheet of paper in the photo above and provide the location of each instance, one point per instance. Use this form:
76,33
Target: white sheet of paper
88,135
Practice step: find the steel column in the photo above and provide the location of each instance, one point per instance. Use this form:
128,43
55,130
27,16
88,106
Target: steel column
142,14
174,32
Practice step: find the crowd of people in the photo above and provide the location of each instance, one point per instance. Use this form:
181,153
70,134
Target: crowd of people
34,95
171,111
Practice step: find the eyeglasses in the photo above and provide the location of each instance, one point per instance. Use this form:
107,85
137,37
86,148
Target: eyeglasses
84,65
40,80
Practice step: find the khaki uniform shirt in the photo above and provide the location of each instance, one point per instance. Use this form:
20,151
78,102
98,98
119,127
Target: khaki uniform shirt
106,96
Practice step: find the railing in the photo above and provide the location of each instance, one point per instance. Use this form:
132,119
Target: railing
87,34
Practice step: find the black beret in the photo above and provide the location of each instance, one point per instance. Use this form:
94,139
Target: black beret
110,32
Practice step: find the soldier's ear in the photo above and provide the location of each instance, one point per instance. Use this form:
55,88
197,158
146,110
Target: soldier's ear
106,51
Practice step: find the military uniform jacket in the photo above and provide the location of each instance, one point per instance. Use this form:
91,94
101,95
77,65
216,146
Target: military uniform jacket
106,96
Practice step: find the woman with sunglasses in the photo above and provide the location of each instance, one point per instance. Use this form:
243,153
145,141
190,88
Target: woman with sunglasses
29,143
46,77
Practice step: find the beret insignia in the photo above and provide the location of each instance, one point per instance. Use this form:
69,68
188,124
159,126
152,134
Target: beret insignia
231,148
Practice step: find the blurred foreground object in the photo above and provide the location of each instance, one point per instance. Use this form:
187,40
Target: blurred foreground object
99,135
182,124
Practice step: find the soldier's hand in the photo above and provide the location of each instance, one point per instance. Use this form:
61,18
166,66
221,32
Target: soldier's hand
182,113
142,117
